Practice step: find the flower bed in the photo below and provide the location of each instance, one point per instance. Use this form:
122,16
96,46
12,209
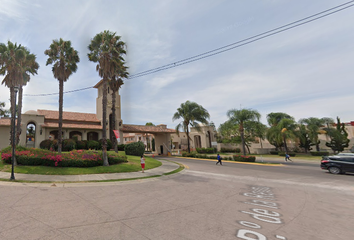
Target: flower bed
241,158
76,158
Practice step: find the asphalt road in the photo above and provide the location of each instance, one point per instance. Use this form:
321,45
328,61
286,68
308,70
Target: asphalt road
234,201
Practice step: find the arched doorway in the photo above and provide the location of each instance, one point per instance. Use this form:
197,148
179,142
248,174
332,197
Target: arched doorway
30,134
197,142
76,135
92,136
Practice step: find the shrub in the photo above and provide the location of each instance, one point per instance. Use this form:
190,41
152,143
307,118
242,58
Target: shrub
121,147
109,144
186,154
291,154
54,145
81,145
92,144
236,150
319,153
135,149
45,144
205,150
241,158
274,152
69,144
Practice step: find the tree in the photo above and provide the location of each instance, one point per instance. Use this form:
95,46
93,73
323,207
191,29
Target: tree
4,112
64,59
16,63
149,145
256,129
227,132
273,134
106,49
240,117
30,67
313,125
339,137
191,113
304,139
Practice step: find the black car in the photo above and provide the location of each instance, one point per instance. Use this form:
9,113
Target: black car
341,163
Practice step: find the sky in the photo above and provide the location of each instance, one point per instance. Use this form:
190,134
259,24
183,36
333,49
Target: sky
305,72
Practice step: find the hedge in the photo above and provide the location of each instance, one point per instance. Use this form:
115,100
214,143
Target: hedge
236,150
319,153
135,149
241,158
205,150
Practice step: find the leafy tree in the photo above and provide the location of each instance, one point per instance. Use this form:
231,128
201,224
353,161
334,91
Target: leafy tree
339,137
106,49
227,132
4,112
314,126
64,59
273,134
149,124
191,113
16,64
240,117
304,139
256,129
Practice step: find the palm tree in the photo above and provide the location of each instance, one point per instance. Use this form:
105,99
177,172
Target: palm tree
191,113
30,67
106,49
287,127
64,59
313,125
241,116
115,83
3,112
16,63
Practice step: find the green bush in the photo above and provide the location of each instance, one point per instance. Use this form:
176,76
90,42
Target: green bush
319,153
92,144
135,149
45,144
291,154
186,154
54,145
205,150
76,158
274,152
81,145
69,145
121,147
109,144
236,150
241,158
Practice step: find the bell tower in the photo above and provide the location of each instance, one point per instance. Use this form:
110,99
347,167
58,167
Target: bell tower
109,118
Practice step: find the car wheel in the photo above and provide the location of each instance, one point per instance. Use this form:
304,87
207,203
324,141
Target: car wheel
334,170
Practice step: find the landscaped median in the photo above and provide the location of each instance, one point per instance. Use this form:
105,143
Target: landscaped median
77,162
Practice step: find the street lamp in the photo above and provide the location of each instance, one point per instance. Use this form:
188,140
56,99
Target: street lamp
13,137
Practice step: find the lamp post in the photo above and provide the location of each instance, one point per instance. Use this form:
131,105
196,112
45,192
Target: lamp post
13,137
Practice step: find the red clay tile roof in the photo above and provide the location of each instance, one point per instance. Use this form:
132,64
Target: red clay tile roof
72,116
71,125
129,128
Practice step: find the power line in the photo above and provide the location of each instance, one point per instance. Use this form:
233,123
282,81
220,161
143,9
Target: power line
231,46
48,94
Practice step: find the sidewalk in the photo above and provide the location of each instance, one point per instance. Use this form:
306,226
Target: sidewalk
166,167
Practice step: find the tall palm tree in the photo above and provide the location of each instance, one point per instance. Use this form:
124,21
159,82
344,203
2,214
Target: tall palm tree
241,116
106,49
64,59
115,83
313,125
191,113
14,65
30,67
287,127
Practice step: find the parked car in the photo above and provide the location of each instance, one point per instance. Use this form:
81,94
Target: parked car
340,163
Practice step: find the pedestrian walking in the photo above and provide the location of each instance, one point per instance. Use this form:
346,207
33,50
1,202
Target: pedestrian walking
142,161
287,157
219,160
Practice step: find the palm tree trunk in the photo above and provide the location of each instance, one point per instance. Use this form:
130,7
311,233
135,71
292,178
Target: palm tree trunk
285,146
114,140
189,148
243,139
104,123
19,115
61,90
13,121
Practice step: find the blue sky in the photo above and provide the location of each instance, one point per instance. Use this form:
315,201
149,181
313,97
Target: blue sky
305,72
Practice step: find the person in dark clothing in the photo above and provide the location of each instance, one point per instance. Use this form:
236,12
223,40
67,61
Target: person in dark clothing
219,160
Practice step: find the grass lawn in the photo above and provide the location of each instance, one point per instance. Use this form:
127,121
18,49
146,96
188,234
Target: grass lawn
133,165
